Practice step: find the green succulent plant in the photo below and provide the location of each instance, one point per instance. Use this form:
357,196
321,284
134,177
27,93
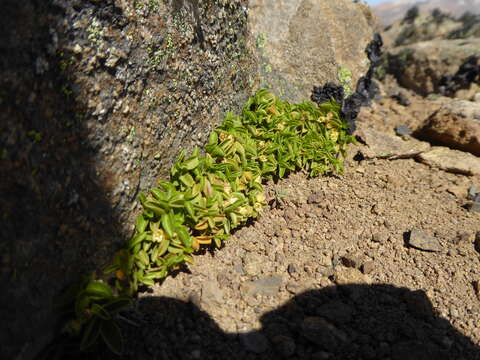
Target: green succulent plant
209,193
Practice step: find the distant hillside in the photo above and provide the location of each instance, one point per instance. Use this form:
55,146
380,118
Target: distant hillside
395,10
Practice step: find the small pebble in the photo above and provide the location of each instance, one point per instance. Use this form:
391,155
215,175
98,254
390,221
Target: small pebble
403,130
291,269
472,192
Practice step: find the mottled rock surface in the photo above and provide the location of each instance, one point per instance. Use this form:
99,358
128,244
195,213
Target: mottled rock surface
385,146
451,160
422,241
98,98
456,125
302,43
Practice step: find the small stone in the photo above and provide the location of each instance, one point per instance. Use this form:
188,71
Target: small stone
252,264
294,288
291,268
418,303
351,261
476,98
475,206
253,268
464,238
322,333
254,342
285,345
345,276
379,237
455,125
239,269
211,293
454,313
403,130
422,241
315,199
267,286
325,260
476,242
476,287
401,99
458,191
472,192
368,267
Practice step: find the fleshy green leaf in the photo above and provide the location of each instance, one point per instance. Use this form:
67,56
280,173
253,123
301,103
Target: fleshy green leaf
99,289
90,335
112,336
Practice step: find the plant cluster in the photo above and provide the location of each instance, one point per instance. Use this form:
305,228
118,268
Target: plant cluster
210,193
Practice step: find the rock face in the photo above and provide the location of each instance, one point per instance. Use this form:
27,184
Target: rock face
422,65
302,43
98,98
456,125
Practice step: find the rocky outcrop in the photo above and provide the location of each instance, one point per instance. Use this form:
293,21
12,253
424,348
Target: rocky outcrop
454,161
456,125
98,98
422,66
302,43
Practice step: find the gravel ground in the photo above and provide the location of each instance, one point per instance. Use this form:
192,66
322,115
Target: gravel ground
329,272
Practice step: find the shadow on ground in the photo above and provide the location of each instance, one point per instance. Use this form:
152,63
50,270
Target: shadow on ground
342,322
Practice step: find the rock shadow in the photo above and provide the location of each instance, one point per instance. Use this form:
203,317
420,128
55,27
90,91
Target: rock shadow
339,322
56,221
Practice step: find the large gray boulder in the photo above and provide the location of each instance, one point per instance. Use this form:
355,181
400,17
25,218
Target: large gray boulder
98,98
